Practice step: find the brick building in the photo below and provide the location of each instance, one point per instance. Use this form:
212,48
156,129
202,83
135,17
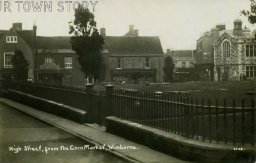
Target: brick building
133,58
129,58
16,39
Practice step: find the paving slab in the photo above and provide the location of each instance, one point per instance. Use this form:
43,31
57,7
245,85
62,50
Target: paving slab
97,136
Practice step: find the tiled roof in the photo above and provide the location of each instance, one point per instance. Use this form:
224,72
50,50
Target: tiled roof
245,34
133,45
2,32
183,53
28,36
53,42
113,44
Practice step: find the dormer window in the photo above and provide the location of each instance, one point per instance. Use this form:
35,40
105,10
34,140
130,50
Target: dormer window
11,39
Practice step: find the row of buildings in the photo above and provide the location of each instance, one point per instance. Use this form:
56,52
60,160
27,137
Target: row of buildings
220,55
127,58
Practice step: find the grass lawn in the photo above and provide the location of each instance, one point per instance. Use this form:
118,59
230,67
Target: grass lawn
207,90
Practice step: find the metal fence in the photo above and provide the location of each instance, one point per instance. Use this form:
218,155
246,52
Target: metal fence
199,119
210,120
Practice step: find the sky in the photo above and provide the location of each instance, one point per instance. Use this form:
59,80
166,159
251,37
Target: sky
178,23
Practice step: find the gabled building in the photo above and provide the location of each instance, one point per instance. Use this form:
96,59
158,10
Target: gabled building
133,58
16,39
235,54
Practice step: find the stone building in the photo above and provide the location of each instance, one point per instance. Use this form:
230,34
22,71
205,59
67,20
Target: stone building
235,54
204,53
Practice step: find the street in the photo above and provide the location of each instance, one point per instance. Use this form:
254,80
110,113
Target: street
24,139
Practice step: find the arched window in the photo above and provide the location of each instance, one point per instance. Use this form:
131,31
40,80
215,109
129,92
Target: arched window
226,49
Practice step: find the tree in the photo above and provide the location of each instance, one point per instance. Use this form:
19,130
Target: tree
20,66
168,69
251,15
87,43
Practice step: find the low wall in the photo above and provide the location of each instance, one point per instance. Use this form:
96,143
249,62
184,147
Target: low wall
59,109
178,146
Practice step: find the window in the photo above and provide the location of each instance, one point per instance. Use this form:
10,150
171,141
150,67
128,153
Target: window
8,60
49,60
68,62
119,64
183,64
226,49
250,71
11,39
250,50
147,63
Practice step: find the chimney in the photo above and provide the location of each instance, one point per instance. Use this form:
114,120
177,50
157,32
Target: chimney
136,32
103,32
168,51
34,29
17,26
238,27
221,27
131,28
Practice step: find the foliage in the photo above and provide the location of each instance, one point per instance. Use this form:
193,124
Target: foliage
251,14
87,42
20,66
168,69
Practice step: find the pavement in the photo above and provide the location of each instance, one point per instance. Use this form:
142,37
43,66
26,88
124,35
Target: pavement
95,135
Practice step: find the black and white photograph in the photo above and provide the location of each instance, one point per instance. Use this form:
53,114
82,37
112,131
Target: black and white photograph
128,81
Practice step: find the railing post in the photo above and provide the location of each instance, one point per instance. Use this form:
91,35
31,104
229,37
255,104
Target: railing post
253,124
89,89
109,105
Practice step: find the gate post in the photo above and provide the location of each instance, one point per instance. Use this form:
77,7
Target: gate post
109,93
89,100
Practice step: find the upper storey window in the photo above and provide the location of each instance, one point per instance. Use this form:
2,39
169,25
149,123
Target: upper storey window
226,49
11,39
250,50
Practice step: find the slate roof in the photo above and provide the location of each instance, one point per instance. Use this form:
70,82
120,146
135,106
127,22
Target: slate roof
113,44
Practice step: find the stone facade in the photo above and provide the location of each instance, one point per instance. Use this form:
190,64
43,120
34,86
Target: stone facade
235,54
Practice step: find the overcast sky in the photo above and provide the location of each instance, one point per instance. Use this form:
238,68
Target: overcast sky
178,23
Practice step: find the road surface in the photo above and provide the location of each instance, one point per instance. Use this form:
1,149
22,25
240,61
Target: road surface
24,139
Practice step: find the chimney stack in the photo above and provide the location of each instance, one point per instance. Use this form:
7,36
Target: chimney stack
17,26
103,32
136,32
131,28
